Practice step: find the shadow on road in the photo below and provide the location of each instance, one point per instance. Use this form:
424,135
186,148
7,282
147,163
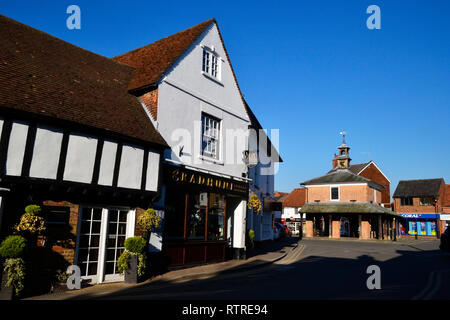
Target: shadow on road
313,277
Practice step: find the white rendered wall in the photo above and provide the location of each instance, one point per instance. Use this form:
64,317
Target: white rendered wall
239,225
80,158
107,162
185,93
47,147
130,172
151,183
16,148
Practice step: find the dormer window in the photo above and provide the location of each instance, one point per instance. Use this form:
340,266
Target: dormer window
211,65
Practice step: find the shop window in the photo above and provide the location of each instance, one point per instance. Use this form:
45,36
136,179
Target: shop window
216,217
406,201
197,216
428,201
174,215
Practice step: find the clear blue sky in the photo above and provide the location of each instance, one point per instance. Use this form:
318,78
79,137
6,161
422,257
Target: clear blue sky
309,68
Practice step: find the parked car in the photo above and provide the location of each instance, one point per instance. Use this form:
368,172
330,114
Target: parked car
445,241
284,230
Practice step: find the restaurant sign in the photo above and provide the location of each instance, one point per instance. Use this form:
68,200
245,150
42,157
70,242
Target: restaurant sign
190,178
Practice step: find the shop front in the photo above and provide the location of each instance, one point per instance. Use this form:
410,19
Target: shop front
204,216
419,224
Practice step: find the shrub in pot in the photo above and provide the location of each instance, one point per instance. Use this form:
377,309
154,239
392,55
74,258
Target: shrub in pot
12,250
132,261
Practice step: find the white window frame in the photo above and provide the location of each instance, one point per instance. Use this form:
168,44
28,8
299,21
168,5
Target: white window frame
216,137
331,193
208,69
101,277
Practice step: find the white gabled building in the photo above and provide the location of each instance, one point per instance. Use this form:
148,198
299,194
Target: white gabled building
188,88
262,181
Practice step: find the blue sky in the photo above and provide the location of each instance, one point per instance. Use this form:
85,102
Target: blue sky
309,68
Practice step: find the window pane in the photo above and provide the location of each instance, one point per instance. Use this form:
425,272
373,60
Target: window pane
334,193
216,216
196,216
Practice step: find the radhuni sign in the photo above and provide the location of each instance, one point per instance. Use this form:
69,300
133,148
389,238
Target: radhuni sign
180,176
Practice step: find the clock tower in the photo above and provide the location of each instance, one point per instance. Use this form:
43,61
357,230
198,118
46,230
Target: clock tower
342,160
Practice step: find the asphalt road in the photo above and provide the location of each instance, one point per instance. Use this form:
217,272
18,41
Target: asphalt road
322,269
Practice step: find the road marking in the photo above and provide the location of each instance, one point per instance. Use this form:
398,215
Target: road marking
427,287
433,285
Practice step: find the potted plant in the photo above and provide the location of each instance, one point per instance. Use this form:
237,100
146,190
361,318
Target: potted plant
59,283
31,224
12,250
132,261
147,221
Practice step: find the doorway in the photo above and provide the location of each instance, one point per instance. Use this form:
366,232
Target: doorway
101,238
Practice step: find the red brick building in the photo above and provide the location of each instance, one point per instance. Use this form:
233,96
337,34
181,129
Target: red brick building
421,203
349,201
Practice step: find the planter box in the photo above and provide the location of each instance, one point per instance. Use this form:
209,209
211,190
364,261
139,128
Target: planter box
131,275
6,293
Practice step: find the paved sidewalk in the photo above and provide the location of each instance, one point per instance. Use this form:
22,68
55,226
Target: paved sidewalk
263,254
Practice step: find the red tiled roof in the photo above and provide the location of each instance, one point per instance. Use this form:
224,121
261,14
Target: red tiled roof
296,198
154,60
44,75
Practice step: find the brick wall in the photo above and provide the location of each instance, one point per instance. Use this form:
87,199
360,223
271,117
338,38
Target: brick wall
417,208
67,246
150,100
360,193
372,173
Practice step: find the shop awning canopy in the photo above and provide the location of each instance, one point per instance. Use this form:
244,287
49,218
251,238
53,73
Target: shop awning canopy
345,207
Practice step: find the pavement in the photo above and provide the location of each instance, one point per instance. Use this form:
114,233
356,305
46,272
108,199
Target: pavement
265,253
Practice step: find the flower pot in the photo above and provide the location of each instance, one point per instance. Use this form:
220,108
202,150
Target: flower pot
5,292
58,287
131,275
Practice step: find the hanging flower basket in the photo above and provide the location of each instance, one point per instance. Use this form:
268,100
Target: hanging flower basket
254,203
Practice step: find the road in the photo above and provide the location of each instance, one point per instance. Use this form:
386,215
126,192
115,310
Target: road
322,269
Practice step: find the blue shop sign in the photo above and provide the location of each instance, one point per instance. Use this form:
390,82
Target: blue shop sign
419,215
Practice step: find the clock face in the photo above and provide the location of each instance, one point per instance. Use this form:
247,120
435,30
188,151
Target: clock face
342,163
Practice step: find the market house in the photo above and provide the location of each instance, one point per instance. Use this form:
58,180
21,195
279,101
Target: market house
199,215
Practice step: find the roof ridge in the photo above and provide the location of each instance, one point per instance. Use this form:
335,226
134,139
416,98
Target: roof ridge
10,20
165,38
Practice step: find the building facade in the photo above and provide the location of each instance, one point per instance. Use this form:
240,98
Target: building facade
188,88
291,215
74,142
421,204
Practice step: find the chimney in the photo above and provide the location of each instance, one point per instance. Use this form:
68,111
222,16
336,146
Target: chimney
335,161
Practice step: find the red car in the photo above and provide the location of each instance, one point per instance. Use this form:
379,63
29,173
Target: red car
284,230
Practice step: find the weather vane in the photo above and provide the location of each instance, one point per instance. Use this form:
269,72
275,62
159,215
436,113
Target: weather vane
343,133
